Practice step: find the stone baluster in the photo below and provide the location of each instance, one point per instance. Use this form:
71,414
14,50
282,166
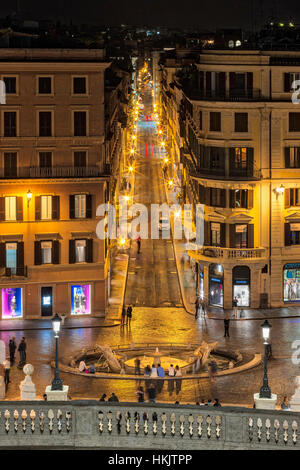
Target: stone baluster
294,428
109,422
68,418
136,422
285,432
42,421
154,423
32,417
164,424
200,421
119,419
100,418
191,422
208,426
259,430
146,420
127,419
7,417
59,420
173,421
218,421
16,417
181,420
276,427
24,417
268,427
51,418
250,424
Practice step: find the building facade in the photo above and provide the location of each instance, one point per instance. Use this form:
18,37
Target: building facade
53,176
240,142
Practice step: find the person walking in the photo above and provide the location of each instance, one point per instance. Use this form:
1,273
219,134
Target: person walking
6,365
103,397
12,346
123,316
235,304
197,307
203,308
171,373
178,381
138,241
161,374
22,350
226,325
140,394
151,393
137,366
129,314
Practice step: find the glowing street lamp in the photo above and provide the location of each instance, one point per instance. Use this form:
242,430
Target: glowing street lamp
130,169
162,144
265,391
166,160
170,183
29,197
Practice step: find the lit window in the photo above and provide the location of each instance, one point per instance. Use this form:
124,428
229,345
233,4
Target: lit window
80,206
80,250
46,207
11,208
11,256
46,252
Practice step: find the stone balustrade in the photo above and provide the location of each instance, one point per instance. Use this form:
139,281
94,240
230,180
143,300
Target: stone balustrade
90,424
232,253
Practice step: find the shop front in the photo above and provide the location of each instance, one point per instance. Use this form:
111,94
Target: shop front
47,301
12,302
81,299
216,285
200,280
241,285
291,282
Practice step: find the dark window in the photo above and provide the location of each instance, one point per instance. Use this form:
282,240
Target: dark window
216,158
241,198
292,157
294,196
10,124
79,123
10,85
218,197
45,159
80,159
215,122
45,85
241,122
45,124
79,85
294,122
10,165
289,78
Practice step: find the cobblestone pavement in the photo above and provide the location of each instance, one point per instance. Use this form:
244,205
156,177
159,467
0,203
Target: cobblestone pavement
151,289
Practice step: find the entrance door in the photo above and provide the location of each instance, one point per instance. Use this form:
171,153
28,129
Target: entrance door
46,301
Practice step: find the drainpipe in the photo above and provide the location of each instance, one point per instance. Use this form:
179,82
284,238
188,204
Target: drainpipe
270,189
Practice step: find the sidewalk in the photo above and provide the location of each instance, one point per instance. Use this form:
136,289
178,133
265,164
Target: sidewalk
70,323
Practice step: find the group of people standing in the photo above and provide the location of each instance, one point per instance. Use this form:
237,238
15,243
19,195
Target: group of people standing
126,315
9,362
200,307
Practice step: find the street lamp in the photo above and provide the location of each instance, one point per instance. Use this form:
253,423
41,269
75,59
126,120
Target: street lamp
56,382
29,197
265,391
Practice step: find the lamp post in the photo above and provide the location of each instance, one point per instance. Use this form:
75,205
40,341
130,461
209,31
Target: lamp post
56,382
265,391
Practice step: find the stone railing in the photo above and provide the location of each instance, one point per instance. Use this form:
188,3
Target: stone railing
90,424
232,253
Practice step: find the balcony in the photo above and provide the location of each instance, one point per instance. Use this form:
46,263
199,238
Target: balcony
215,253
9,274
231,95
53,172
89,424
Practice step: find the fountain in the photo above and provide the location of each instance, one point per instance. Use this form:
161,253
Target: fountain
156,357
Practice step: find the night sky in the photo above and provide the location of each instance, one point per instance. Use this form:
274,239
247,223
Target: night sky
173,13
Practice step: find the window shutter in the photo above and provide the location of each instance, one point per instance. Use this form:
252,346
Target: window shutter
250,236
232,235
232,198
222,83
249,161
223,234
2,255
298,157
19,208
201,194
72,255
208,83
55,207
232,81
89,250
206,233
287,157
287,85
37,207
20,258
55,252
89,206
37,253
223,197
249,84
250,199
287,234
2,208
207,196
72,206
287,199
231,158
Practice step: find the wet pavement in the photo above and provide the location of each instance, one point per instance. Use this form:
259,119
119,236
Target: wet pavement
158,317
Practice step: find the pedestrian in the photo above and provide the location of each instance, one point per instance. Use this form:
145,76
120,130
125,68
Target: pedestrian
138,241
103,397
113,397
226,325
203,307
129,314
22,351
178,381
151,393
161,374
92,369
235,304
12,349
45,397
197,306
137,368
217,403
171,373
153,371
285,404
123,315
6,365
82,366
147,371
140,394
